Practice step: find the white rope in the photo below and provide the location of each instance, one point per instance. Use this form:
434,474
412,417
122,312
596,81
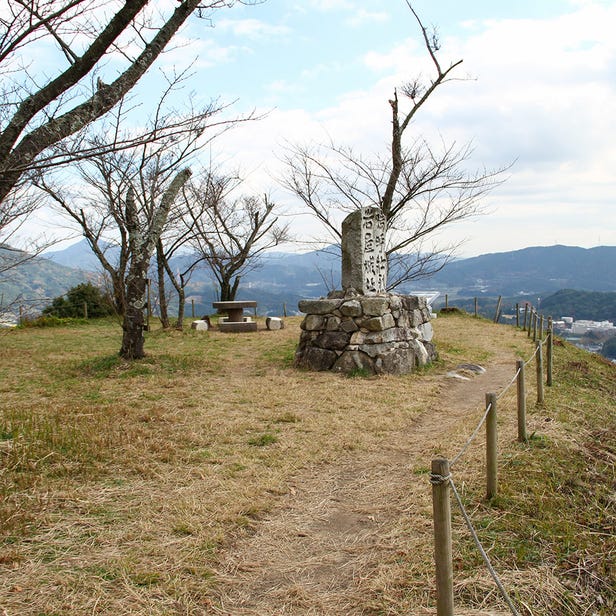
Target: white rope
483,553
513,380
531,357
472,436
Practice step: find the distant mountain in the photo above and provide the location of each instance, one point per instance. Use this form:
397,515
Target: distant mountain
79,256
35,281
284,278
531,271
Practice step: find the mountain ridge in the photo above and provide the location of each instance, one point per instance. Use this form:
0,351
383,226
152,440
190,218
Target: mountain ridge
285,277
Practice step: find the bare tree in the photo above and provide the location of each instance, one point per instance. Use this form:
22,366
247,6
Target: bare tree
37,111
126,198
94,197
143,236
231,234
419,189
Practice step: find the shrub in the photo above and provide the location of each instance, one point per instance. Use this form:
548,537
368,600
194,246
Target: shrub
99,304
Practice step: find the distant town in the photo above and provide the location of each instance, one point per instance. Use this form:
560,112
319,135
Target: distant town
590,335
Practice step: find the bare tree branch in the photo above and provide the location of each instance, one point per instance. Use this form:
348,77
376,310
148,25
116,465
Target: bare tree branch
419,189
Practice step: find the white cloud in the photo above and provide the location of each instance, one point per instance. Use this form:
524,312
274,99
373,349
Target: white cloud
542,97
251,28
330,5
362,17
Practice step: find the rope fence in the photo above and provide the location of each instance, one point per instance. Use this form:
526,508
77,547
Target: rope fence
442,480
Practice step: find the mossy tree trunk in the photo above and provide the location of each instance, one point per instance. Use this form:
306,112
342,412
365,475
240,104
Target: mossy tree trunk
143,238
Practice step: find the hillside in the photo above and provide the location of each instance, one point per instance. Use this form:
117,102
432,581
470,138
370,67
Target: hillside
214,478
36,280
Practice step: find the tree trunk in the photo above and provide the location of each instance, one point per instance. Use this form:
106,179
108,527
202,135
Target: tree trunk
181,307
143,242
162,298
234,288
134,322
228,291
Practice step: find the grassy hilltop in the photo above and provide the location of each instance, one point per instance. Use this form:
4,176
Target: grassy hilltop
214,478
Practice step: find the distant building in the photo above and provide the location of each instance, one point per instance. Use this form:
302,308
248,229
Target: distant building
581,327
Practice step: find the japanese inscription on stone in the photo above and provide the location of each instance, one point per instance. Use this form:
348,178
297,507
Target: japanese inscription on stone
364,262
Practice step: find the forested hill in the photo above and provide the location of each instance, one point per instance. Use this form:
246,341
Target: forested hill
581,305
541,269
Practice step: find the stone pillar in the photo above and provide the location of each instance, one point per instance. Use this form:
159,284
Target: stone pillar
364,262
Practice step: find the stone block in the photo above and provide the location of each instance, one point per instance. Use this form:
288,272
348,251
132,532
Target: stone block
377,324
314,358
348,325
421,354
332,324
374,350
353,360
318,306
426,332
393,334
200,325
333,340
410,302
313,322
375,306
358,337
351,308
398,361
274,323
395,302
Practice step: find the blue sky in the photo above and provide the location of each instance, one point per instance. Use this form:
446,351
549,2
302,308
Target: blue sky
541,92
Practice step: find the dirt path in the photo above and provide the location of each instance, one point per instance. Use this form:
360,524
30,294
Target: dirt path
342,531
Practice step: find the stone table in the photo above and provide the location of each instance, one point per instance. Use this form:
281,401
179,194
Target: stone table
235,321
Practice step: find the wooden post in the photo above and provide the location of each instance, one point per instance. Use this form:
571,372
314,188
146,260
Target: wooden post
491,448
475,307
441,508
192,303
85,310
517,315
530,322
498,307
535,319
525,316
446,301
21,314
522,438
284,309
541,327
539,358
550,351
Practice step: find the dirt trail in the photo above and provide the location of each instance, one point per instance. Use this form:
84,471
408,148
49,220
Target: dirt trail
326,546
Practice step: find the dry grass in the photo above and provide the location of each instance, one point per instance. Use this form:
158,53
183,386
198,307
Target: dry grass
212,477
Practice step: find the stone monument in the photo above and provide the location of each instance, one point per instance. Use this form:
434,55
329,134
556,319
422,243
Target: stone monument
364,262
362,327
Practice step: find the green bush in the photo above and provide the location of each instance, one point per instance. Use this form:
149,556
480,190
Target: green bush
72,305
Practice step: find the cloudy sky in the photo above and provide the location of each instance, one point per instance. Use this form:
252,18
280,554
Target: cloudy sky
541,94
537,90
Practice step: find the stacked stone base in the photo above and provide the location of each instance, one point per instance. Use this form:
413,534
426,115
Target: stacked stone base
376,334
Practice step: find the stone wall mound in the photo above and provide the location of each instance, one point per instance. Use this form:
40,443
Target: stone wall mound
378,334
